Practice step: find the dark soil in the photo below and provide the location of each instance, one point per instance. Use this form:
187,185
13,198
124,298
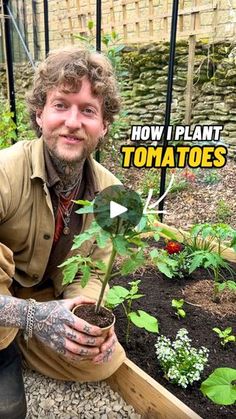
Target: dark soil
200,319
86,312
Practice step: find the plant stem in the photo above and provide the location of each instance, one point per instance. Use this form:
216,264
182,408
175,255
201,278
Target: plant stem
106,279
129,303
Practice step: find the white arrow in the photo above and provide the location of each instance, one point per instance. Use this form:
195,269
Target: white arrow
147,207
116,209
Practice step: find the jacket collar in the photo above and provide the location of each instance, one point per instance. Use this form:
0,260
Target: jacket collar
37,158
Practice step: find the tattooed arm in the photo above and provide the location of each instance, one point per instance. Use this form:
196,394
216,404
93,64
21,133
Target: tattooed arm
55,326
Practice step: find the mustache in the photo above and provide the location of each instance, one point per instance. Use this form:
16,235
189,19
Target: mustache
75,134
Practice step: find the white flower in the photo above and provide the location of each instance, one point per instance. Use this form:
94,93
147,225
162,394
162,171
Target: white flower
181,362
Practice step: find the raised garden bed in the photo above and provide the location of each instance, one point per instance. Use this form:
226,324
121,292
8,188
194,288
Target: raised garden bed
202,316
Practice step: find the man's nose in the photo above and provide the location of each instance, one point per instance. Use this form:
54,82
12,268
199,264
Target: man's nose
73,119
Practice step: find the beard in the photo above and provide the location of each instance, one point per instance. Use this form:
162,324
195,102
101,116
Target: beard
74,151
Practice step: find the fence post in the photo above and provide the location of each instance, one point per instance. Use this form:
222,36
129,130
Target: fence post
190,76
9,59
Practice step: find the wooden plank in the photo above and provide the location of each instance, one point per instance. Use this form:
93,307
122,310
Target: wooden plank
147,396
191,10
190,76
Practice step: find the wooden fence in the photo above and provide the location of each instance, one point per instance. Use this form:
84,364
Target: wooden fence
137,21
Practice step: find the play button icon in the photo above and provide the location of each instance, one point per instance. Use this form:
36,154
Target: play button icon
117,208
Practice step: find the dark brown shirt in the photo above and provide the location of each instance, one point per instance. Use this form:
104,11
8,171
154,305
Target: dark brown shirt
87,190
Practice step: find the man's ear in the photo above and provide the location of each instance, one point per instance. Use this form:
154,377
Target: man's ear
39,117
105,128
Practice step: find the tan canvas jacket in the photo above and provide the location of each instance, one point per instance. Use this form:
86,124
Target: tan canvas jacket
27,220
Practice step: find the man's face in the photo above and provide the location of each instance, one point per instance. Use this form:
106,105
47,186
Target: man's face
72,123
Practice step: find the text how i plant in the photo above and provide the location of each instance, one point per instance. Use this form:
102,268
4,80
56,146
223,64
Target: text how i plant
194,153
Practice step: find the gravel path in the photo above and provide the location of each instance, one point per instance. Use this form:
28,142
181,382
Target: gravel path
49,399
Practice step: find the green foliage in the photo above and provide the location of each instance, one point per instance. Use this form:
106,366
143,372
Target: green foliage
178,306
230,285
166,264
80,264
24,130
225,335
7,126
208,236
144,320
211,177
205,259
205,246
125,241
220,386
150,180
223,211
120,295
183,262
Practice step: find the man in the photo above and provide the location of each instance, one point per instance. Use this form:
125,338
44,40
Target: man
73,101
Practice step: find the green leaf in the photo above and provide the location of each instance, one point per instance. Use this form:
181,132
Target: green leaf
132,263
144,320
86,271
196,262
221,286
228,330
231,338
80,239
142,223
219,386
86,235
116,295
136,296
156,237
85,210
69,272
181,313
102,238
90,25
170,234
84,202
231,285
100,265
164,269
177,303
121,244
217,330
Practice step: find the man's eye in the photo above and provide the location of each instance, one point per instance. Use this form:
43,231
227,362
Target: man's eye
89,111
59,105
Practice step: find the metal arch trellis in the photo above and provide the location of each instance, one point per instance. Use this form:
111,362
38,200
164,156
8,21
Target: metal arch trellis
8,14
171,63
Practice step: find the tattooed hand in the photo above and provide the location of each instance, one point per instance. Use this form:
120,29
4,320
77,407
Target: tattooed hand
57,327
107,348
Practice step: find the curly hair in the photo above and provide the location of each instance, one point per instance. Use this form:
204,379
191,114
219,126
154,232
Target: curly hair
65,68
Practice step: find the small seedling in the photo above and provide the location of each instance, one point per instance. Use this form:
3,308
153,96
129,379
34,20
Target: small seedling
225,335
177,306
121,295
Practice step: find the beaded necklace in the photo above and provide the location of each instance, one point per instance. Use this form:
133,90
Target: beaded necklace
66,204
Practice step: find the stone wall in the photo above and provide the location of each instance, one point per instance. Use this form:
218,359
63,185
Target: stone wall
214,95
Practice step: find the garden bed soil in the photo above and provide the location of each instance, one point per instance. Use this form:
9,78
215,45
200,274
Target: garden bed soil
201,316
